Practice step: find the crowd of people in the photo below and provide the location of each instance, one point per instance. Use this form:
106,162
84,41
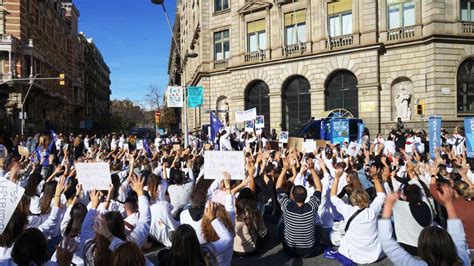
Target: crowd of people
389,199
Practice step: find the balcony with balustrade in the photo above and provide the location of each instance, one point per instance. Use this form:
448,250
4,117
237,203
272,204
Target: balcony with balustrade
256,56
293,49
341,42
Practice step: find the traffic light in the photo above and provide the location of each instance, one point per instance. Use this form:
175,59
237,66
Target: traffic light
62,80
420,107
157,117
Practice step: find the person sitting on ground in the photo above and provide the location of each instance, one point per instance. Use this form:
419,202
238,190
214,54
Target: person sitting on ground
301,237
436,246
410,217
359,244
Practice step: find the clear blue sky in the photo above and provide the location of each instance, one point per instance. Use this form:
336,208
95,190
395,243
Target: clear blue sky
134,40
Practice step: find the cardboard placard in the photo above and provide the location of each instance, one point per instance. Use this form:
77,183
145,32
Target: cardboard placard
93,175
10,196
273,145
23,151
321,143
176,147
295,143
218,162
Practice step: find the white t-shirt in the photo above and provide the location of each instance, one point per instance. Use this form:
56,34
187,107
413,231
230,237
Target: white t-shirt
361,244
179,195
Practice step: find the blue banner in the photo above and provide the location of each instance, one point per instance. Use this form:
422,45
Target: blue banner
469,129
360,133
322,130
434,126
195,96
339,131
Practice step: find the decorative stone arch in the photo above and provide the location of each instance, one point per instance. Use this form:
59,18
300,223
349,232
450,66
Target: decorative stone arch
394,76
340,63
402,100
296,102
257,96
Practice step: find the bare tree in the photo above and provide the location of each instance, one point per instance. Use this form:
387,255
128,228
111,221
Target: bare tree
154,97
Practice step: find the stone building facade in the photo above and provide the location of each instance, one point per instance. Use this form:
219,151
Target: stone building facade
40,38
294,60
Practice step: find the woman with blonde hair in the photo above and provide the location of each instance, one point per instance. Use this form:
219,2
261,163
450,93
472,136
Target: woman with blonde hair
360,243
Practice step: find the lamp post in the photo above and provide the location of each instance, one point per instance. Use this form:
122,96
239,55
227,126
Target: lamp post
187,55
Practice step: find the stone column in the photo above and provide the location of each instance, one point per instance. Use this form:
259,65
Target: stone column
318,101
275,110
369,106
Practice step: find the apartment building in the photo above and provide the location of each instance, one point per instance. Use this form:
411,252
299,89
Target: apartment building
39,38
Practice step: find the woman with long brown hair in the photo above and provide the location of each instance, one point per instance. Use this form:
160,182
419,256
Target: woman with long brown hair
94,246
249,224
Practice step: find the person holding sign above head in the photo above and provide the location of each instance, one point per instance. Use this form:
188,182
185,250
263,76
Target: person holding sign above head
95,246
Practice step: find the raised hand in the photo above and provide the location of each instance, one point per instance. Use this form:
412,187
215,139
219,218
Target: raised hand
95,198
227,179
137,184
211,210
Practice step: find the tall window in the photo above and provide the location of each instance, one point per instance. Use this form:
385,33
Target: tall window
401,13
256,38
342,92
221,45
467,10
295,27
256,96
297,103
221,5
340,18
465,88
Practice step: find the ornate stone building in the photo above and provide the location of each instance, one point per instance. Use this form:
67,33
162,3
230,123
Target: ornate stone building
294,60
40,37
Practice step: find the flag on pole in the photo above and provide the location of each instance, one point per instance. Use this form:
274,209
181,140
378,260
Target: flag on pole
147,148
54,138
216,125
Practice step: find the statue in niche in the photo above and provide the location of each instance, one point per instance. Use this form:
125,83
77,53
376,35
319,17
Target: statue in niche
402,103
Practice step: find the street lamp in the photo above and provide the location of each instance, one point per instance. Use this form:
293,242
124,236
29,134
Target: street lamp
187,55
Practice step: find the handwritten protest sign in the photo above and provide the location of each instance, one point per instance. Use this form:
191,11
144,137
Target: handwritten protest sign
242,116
218,162
295,143
309,145
23,151
93,175
10,196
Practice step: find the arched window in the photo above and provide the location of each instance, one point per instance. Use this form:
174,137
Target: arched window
296,103
256,96
465,90
342,92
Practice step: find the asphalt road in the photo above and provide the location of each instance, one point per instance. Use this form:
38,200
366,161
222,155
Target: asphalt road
273,255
